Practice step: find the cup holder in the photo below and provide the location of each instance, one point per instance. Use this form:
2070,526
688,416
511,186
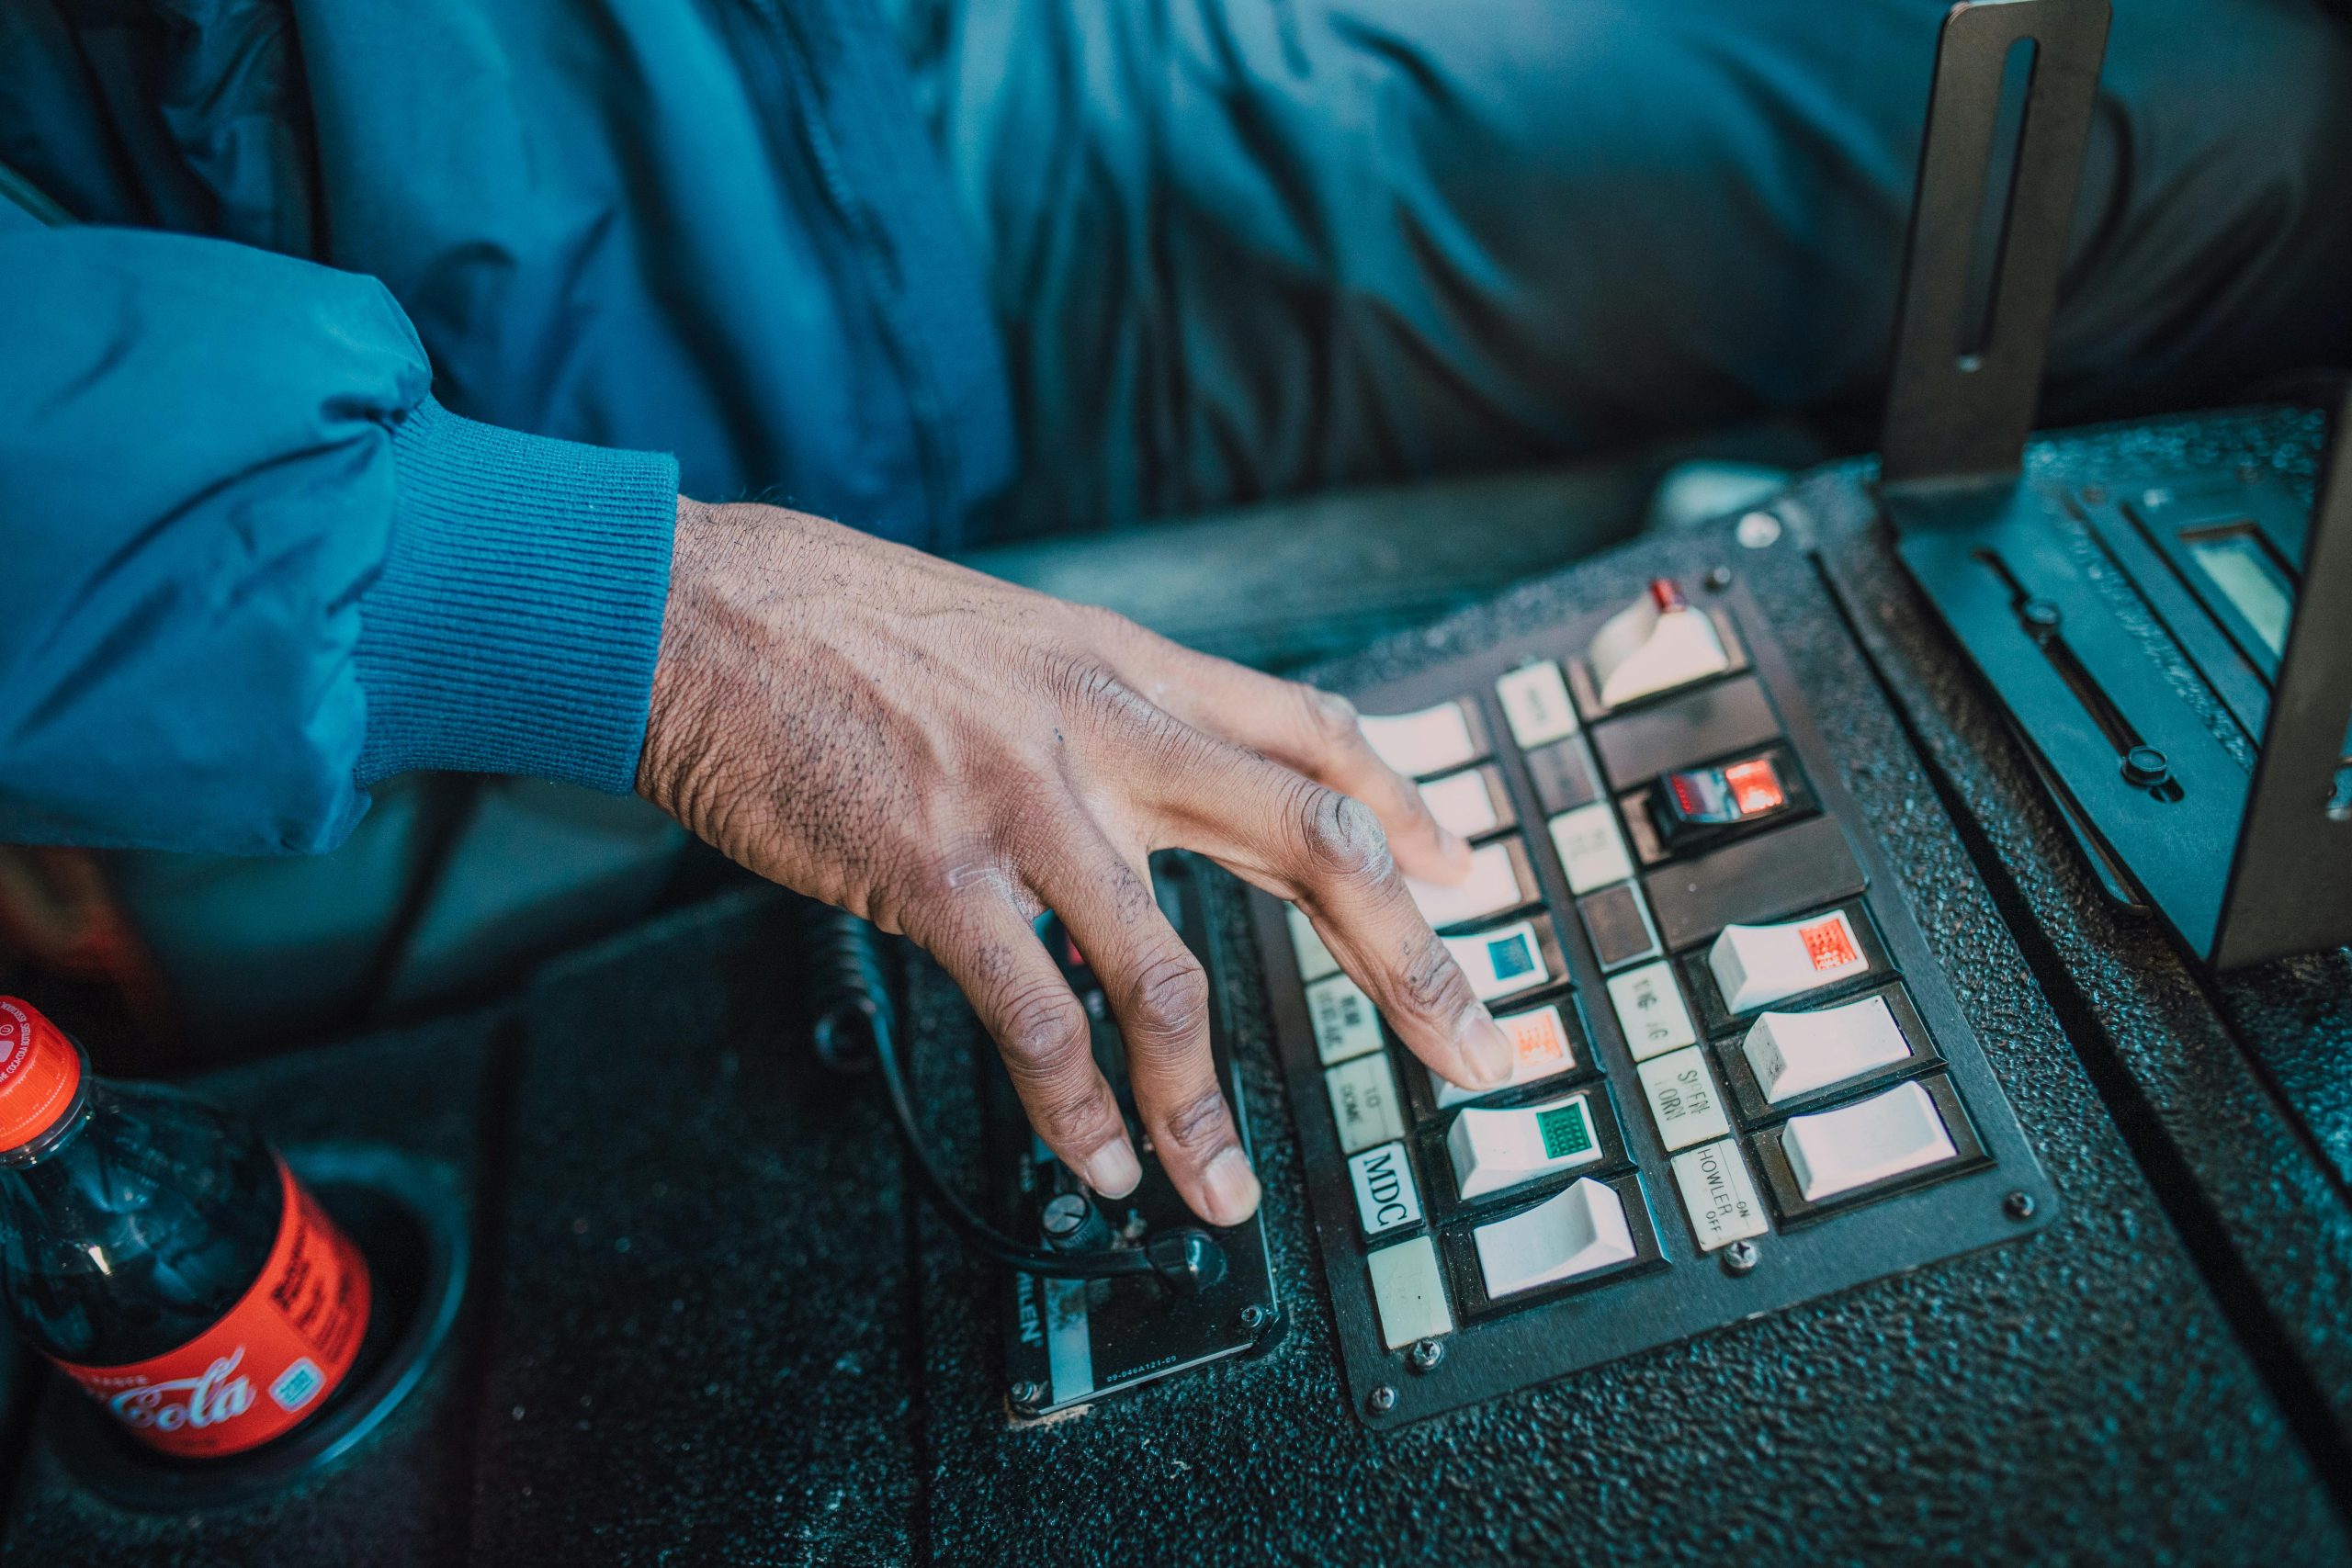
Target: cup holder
407,1217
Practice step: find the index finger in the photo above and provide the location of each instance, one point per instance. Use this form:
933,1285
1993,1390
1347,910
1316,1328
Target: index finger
1313,732
1325,852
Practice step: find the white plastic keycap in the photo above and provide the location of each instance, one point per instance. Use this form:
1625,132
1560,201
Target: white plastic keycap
1577,1231
1718,1195
1315,960
1434,740
1757,965
1651,1011
1796,1052
1492,886
1591,850
1345,1024
1408,1292
1496,1149
1887,1134
1500,963
1535,700
1655,644
1463,804
1540,1048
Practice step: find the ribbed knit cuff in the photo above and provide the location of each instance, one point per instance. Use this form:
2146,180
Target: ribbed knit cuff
514,624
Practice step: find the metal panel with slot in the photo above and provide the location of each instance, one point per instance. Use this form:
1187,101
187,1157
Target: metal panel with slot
2230,844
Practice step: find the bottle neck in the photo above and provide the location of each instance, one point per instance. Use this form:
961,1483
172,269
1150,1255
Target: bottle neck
44,1085
68,1125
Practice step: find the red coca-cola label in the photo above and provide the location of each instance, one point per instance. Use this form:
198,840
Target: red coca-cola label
268,1363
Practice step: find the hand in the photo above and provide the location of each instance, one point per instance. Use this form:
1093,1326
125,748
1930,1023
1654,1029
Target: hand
945,754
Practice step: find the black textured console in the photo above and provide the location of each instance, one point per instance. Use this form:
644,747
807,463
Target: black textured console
712,1320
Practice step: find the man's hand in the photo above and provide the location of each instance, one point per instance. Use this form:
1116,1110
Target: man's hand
945,754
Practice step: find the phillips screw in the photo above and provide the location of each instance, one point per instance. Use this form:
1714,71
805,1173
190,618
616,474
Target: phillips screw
1741,1258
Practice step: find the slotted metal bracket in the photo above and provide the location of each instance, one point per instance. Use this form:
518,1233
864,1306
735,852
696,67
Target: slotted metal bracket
2242,867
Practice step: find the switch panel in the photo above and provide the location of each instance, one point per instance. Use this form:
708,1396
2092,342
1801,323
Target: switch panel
1757,965
1386,1199
1590,847
1718,1195
1536,704
1581,1231
1345,1024
1410,1292
1651,1011
1495,1150
1655,644
1502,963
1434,740
1793,1054
1473,803
1740,1078
1499,880
1886,1136
1541,1048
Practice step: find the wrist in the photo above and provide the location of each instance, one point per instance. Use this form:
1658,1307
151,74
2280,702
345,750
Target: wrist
516,622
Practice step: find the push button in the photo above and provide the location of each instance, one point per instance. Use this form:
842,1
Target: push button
1562,777
1695,804
1346,1026
1471,803
1434,740
1540,1048
1578,1232
1500,963
1535,700
1408,1292
1315,960
1655,644
1718,1195
1651,1011
1618,923
1495,1149
1836,1151
1385,1197
1592,852
1683,1101
1796,1052
1364,1102
1499,880
1755,966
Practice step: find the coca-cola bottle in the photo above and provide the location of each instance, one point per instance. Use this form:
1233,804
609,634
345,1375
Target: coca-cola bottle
163,1256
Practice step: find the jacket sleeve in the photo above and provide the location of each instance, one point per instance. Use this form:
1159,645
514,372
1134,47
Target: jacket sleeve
249,566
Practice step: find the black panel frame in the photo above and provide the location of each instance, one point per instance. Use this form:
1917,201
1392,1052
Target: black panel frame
1498,1348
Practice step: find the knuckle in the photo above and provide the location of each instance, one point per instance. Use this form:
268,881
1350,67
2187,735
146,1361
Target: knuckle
1199,1126
1171,996
1043,1026
1339,838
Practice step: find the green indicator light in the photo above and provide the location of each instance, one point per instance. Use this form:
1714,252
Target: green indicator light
1565,1131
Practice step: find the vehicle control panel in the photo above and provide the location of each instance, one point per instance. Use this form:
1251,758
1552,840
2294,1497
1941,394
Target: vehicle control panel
1742,1080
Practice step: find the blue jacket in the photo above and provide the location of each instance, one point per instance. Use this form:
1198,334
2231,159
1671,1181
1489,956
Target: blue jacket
352,356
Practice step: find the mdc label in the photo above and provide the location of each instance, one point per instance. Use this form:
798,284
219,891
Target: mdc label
1385,1198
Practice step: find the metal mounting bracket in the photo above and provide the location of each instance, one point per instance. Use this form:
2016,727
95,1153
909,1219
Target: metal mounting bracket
2243,865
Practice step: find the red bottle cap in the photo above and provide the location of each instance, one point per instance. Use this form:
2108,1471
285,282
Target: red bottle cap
40,1070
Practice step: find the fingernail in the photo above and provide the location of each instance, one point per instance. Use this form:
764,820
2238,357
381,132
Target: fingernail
1485,1052
1232,1187
1111,1169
